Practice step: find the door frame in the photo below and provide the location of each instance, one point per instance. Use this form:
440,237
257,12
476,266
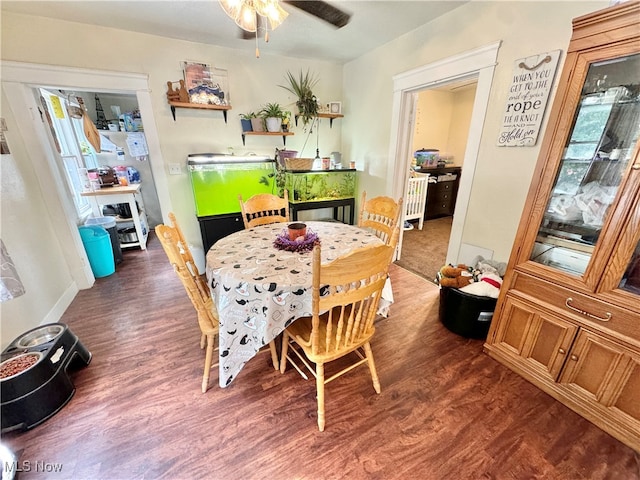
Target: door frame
18,81
480,63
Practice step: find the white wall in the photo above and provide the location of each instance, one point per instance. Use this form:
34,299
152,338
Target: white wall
434,112
442,122
503,174
253,82
28,233
462,108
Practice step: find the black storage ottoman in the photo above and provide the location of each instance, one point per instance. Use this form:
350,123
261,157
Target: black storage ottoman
466,314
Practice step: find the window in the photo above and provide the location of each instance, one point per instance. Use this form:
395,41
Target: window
74,150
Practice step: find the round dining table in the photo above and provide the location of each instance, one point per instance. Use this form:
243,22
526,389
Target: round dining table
259,289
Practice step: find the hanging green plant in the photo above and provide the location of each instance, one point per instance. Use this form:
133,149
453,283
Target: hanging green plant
302,87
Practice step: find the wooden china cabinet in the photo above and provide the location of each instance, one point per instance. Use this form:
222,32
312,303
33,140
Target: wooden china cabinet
568,316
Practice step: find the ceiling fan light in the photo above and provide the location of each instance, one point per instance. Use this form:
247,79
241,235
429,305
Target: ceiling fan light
276,15
231,7
246,18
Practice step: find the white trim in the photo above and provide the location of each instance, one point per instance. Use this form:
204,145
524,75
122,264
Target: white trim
18,81
52,76
55,314
479,62
443,71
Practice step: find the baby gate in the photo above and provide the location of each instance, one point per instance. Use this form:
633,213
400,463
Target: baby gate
416,197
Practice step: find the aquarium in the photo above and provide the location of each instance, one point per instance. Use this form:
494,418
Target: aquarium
217,180
316,185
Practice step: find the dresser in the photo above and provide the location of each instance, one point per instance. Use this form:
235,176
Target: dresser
442,191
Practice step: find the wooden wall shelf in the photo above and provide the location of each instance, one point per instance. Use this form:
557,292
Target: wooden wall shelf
201,106
284,135
330,116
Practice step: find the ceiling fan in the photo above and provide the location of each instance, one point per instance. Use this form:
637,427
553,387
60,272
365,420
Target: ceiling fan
321,9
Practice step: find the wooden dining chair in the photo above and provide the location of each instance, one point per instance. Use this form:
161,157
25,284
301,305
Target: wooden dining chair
345,297
381,215
179,254
264,208
185,251
180,258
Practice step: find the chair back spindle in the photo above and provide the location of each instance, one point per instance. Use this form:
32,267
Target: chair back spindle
264,208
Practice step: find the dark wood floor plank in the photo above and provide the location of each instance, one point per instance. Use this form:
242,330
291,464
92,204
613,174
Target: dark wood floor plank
446,411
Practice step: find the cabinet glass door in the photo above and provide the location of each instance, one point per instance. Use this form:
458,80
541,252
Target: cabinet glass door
631,279
601,144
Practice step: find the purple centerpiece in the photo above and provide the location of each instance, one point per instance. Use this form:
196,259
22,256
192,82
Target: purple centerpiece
300,244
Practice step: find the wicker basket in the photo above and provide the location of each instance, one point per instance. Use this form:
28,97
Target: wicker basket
296,164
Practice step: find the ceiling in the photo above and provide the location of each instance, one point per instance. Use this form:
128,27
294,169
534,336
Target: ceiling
373,23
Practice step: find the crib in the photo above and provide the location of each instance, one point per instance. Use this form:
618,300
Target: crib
416,197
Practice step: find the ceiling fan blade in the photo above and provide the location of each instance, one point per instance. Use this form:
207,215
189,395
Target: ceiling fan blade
323,10
244,35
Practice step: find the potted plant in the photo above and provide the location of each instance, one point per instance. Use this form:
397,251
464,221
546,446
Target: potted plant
273,115
245,121
286,121
302,87
257,123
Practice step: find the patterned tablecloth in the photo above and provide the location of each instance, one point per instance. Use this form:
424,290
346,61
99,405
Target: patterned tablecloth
259,289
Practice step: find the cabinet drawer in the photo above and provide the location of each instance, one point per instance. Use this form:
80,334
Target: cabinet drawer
440,188
441,209
441,197
585,309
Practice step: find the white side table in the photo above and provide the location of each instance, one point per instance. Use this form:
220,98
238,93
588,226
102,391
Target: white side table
129,194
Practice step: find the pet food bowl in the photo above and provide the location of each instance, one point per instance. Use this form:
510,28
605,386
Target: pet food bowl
37,383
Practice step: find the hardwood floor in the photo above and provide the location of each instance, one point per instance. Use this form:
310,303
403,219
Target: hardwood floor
446,411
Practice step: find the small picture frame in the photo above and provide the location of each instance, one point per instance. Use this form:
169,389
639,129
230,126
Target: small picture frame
335,107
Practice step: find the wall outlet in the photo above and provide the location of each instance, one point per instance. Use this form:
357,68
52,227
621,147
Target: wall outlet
174,169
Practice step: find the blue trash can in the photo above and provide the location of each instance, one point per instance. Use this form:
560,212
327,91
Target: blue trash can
109,224
97,243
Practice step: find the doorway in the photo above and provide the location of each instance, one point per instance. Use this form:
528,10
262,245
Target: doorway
479,63
19,80
442,119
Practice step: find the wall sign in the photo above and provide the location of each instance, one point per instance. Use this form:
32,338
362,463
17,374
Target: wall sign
527,99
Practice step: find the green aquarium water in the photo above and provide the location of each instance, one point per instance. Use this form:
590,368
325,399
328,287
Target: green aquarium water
315,186
216,186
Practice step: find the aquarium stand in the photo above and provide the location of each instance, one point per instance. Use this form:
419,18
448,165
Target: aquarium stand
338,206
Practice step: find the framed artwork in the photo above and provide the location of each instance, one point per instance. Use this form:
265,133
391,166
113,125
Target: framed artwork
206,85
335,107
196,74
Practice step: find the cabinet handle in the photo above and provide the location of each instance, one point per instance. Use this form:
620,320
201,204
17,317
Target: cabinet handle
562,351
583,312
635,166
574,358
